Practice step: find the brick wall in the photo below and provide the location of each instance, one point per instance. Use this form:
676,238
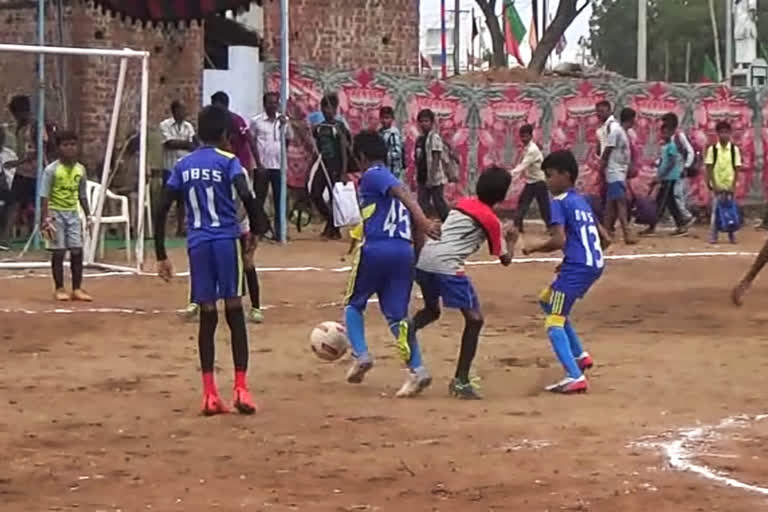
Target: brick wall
88,85
348,34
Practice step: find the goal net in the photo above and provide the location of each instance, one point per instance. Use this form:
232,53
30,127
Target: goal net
113,148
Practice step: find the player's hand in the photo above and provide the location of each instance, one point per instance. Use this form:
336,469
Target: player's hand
47,228
737,295
251,241
89,222
165,270
432,229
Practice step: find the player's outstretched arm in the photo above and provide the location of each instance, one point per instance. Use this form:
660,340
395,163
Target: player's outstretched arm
421,222
738,292
555,242
164,268
511,236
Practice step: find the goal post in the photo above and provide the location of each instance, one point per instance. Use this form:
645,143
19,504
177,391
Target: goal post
124,55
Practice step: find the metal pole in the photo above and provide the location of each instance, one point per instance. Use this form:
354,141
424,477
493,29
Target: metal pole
472,42
40,116
728,39
143,200
444,59
718,62
284,92
688,62
456,36
642,40
90,255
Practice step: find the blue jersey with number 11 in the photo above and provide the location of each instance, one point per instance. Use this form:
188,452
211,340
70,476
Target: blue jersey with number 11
582,238
384,217
205,178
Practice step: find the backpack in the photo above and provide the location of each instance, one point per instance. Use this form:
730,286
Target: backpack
695,168
727,216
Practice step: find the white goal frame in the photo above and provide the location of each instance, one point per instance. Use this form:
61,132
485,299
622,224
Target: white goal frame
92,242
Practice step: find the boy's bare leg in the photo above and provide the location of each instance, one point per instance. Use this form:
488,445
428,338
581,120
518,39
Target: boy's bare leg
623,211
611,209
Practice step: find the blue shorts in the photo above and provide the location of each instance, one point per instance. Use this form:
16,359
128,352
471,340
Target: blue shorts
616,190
457,292
383,268
571,284
216,271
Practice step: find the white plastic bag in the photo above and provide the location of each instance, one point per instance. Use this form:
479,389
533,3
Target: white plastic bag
346,209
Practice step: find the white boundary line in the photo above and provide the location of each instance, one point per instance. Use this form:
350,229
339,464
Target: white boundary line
615,257
679,452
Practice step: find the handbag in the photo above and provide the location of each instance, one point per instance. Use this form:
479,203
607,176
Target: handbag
346,209
727,216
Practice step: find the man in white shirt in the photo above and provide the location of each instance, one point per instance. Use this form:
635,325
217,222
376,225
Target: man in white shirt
607,123
615,162
689,155
178,141
265,129
535,181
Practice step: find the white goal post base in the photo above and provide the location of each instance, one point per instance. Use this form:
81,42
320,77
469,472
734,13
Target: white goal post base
124,55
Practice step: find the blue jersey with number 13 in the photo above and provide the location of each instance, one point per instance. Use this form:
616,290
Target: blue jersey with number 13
582,238
205,178
384,217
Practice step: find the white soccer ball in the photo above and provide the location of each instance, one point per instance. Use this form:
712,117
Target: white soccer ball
329,341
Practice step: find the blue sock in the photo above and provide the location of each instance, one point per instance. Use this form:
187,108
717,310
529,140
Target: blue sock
415,362
576,348
353,317
562,348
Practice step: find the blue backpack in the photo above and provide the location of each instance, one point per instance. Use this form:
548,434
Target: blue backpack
727,216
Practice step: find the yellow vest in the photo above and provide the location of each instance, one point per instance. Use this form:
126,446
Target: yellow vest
65,187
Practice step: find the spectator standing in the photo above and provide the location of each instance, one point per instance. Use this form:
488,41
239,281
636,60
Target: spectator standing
394,141
723,163
607,123
689,159
240,140
430,175
331,139
265,129
23,190
615,162
6,183
535,181
669,172
316,117
178,141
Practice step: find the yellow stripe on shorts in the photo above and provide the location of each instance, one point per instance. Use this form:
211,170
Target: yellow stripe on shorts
240,278
353,273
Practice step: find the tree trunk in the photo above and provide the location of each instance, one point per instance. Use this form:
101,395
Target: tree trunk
566,13
488,7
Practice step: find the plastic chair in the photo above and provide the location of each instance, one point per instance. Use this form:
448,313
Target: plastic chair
92,191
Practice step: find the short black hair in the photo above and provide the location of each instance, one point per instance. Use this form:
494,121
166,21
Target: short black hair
220,97
562,161
722,126
526,129
66,136
20,103
671,119
627,114
212,123
270,94
333,98
492,185
603,103
328,101
426,114
175,104
387,111
370,144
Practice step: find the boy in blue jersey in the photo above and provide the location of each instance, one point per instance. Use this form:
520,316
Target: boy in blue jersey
207,180
383,263
574,230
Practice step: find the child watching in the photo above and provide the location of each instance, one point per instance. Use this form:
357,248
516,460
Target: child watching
394,141
723,163
61,190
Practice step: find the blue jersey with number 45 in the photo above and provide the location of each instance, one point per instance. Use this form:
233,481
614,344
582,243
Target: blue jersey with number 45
582,238
205,178
385,218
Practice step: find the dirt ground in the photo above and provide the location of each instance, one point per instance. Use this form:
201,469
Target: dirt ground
99,410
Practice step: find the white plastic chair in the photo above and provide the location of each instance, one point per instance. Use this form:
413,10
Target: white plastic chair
92,191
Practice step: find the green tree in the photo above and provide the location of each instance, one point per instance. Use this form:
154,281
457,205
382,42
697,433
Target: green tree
672,25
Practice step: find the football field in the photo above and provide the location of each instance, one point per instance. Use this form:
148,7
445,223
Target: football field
100,402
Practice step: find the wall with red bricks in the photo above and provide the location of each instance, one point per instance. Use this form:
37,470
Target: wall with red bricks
348,34
88,85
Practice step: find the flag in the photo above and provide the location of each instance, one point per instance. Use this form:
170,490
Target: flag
425,64
475,31
709,73
533,37
514,30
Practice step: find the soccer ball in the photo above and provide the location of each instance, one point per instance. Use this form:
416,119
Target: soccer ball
329,341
